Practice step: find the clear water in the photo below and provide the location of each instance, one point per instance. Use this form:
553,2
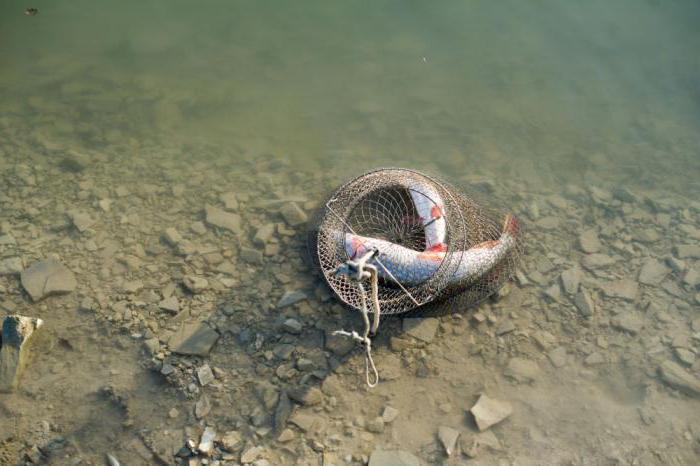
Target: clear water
535,95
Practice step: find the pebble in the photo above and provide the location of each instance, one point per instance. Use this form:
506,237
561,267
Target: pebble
170,304
230,201
202,407
222,219
423,329
588,241
251,454
389,414
171,236
584,303
307,396
81,220
195,284
282,412
629,321
557,356
231,441
305,421
376,425
471,445
46,278
393,458
597,261
205,375
522,370
489,411
448,437
652,272
504,327
292,326
173,413
251,256
206,443
11,266
571,279
293,214
687,251
624,289
263,235
685,356
291,297
677,377
193,338
691,277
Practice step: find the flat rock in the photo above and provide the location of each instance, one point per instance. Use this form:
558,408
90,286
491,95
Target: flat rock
677,377
293,214
205,375
17,335
193,338
11,266
222,219
691,277
389,414
584,303
251,256
230,201
652,272
291,297
46,278
195,284
282,412
263,235
489,411
305,421
597,261
557,356
571,279
588,241
307,396
170,304
472,445
81,220
422,329
231,441
206,443
688,251
338,344
629,321
624,289
172,236
202,407
522,370
448,438
393,458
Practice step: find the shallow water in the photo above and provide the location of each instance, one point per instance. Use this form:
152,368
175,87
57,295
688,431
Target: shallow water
156,108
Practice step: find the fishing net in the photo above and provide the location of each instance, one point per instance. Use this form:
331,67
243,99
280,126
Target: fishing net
428,241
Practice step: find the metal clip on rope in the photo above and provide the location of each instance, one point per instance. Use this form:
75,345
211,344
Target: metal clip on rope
358,271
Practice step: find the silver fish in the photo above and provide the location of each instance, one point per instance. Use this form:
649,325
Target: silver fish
112,461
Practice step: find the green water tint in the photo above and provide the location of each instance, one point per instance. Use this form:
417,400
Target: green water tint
138,102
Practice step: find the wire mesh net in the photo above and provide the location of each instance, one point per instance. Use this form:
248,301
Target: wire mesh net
433,242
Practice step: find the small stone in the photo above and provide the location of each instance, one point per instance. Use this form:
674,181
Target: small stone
171,236
594,359
584,303
46,278
489,411
393,458
170,304
691,277
173,413
11,266
206,444
205,375
286,435
230,201
193,338
292,326
624,289
688,251
307,396
597,261
652,272
338,344
522,370
685,356
557,356
588,241
81,220
291,297
132,286
376,425
472,445
195,284
448,437
389,414
570,280
293,214
305,421
222,219
231,441
282,412
628,321
16,337
504,327
202,407
283,351
251,256
423,329
251,454
263,235
677,377
152,346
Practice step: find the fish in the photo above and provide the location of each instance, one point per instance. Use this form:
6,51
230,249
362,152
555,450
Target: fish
31,11
112,461
411,267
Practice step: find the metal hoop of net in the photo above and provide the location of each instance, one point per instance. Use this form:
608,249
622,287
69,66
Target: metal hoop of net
432,241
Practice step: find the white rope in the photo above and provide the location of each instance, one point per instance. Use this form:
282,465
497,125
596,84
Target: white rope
356,271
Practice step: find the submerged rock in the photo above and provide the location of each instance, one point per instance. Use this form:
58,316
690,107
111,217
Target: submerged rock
193,338
421,328
393,458
677,377
448,437
17,334
47,277
652,272
488,412
11,266
222,219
